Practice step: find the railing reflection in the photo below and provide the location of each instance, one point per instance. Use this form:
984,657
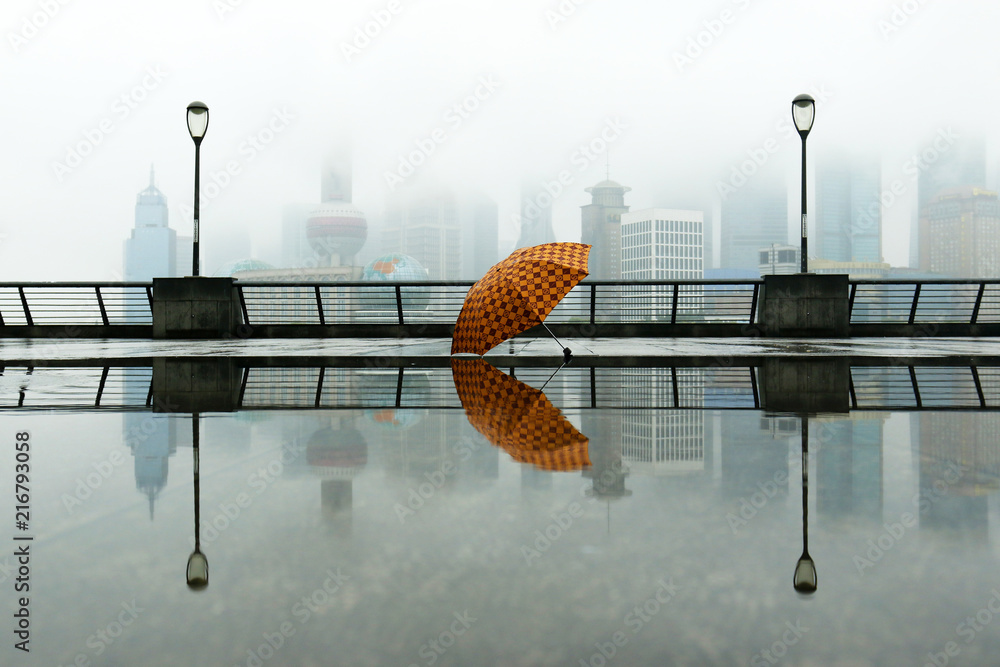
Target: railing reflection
885,387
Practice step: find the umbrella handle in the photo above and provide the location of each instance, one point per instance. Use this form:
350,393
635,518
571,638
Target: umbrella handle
567,353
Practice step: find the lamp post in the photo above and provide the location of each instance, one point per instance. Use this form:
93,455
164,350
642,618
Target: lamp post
197,122
803,113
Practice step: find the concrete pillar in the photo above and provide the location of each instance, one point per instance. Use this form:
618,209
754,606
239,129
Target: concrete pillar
195,308
805,385
806,305
196,384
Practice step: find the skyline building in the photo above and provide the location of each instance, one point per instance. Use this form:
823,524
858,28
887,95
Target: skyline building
848,210
328,235
951,162
961,230
151,250
753,217
662,244
452,235
947,161
536,215
601,229
779,259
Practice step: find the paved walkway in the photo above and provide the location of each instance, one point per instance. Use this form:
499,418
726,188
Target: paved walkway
12,350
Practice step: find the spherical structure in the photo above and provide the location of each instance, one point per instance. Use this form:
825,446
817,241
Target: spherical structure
336,454
242,265
393,268
395,419
336,228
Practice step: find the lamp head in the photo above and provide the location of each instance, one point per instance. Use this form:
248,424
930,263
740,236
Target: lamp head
197,571
197,120
803,113
805,576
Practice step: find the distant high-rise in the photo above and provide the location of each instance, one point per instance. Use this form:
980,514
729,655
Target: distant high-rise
479,221
601,228
779,259
663,244
848,210
151,250
950,162
295,248
946,162
337,229
336,183
753,217
328,235
453,236
960,232
536,215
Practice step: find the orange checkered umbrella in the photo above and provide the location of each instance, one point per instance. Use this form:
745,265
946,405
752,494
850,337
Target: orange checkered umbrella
518,418
517,294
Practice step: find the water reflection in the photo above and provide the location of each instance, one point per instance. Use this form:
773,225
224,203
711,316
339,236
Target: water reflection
903,509
805,579
518,418
197,565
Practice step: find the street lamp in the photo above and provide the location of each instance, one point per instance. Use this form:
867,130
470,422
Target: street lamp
803,113
197,122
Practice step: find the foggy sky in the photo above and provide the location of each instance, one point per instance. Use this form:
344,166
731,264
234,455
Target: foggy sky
115,76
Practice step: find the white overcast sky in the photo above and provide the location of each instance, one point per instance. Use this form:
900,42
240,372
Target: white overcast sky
557,84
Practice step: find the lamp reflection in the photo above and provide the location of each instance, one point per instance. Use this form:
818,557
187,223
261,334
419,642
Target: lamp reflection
805,570
197,565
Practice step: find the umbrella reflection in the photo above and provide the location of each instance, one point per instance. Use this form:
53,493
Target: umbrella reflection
197,565
518,418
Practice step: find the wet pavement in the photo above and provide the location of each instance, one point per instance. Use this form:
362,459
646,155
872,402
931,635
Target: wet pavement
583,348
398,515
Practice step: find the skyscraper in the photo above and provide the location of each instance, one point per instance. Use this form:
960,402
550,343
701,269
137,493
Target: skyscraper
536,215
753,217
151,250
479,217
601,228
454,236
946,162
848,210
960,232
949,162
663,244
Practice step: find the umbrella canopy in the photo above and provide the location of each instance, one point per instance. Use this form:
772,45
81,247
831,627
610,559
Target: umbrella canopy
518,418
517,294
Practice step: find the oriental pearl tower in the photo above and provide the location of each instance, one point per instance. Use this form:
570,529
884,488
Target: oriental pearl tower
336,229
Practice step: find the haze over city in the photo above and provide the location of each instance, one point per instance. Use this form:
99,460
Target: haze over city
668,98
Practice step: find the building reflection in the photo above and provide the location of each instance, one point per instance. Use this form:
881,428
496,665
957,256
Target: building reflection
959,469
849,465
152,439
664,442
689,430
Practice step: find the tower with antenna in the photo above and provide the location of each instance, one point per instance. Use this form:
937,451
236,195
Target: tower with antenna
601,227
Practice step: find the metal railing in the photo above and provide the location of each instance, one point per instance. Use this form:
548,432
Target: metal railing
439,302
682,307
75,303
925,301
